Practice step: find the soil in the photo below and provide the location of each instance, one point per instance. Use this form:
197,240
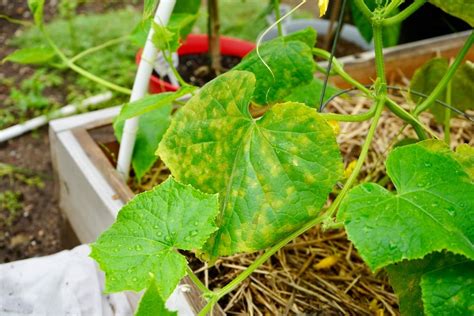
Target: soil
38,227
195,69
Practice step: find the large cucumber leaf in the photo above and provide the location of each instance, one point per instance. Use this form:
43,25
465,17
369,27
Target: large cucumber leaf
310,93
273,173
432,209
281,65
463,9
449,291
420,283
140,247
427,77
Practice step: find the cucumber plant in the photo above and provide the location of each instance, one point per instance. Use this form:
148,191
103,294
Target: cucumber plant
244,183
244,180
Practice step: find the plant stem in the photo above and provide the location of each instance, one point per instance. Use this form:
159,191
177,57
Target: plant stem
400,17
276,6
360,162
196,281
257,263
447,115
82,71
381,98
364,9
214,41
392,105
349,117
446,78
99,47
391,6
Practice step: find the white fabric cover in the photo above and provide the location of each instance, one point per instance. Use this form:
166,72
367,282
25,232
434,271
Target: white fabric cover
66,283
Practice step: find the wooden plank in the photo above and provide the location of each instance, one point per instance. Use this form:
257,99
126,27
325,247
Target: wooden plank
97,157
403,59
85,196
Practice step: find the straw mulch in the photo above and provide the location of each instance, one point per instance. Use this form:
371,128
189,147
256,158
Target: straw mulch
320,273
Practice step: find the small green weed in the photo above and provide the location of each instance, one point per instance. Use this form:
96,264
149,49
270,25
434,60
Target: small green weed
115,63
11,204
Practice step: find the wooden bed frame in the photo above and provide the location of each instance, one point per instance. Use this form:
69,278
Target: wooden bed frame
92,192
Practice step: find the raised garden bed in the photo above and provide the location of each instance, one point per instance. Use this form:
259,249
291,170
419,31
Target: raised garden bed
91,191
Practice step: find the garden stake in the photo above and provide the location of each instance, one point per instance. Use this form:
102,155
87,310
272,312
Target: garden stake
140,88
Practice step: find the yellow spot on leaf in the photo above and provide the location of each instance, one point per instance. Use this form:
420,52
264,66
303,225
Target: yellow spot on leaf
309,178
290,190
335,127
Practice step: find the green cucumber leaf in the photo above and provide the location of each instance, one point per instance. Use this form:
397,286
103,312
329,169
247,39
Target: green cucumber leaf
449,291
431,210
37,9
34,55
151,102
407,279
141,245
151,303
310,93
151,128
273,173
288,63
427,77
463,9
390,34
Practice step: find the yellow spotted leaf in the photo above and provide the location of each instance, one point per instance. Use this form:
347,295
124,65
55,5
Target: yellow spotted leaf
273,173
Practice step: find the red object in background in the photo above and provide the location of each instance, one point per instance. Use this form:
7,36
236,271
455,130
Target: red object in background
198,44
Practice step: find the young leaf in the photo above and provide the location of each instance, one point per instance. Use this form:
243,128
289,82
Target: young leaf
36,55
463,9
151,102
406,278
151,128
427,77
431,210
37,8
287,63
164,38
151,303
273,173
140,246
